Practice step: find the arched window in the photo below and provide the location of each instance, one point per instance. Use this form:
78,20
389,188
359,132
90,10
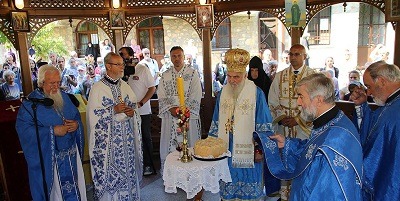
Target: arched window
319,28
86,32
151,35
268,28
372,26
222,37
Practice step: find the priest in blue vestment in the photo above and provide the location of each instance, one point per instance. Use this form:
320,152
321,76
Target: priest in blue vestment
380,131
61,140
328,165
240,110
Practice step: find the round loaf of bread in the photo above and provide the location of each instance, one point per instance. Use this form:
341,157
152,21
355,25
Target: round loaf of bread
210,147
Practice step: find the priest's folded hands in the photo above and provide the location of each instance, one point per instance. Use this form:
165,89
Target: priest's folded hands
68,126
122,108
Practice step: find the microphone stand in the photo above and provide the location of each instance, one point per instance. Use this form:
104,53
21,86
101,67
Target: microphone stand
34,108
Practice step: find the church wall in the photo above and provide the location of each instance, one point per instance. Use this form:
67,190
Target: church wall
131,35
344,35
62,29
178,32
339,39
245,33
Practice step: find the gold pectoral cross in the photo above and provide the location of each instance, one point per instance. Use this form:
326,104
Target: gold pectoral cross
293,85
229,125
294,80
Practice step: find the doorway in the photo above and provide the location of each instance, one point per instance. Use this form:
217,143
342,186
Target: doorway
86,32
151,35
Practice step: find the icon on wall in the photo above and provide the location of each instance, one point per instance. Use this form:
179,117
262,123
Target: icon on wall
20,21
117,19
392,10
205,16
295,13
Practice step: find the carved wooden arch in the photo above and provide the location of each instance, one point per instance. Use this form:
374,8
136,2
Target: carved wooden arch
219,17
132,21
38,23
278,13
103,23
312,10
191,19
6,28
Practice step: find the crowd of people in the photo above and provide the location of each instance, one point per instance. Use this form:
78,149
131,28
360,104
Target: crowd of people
279,118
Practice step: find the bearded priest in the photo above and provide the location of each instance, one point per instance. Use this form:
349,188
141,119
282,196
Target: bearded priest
240,110
55,170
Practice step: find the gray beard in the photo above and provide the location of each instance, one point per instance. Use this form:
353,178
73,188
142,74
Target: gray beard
58,100
309,114
237,89
378,101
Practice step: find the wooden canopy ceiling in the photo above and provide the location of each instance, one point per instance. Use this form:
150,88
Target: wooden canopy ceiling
98,8
42,12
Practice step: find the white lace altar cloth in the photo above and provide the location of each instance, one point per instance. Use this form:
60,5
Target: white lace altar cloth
195,175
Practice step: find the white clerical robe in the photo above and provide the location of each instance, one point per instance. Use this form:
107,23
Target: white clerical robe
168,98
114,142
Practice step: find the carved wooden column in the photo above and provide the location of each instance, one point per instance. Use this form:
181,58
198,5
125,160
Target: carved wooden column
296,35
22,45
396,59
208,100
118,39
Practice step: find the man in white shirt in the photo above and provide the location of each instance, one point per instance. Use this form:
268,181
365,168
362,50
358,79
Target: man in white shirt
142,85
152,65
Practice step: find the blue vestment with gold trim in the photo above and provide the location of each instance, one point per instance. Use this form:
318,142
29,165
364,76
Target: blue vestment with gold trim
247,183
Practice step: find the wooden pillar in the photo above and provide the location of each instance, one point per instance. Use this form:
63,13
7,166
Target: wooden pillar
118,39
22,46
396,58
295,34
208,99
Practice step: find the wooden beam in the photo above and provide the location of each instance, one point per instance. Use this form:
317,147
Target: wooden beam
296,35
118,39
247,5
22,44
101,12
396,58
208,99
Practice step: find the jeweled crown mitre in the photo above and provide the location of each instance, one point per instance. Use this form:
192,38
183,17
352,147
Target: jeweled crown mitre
237,60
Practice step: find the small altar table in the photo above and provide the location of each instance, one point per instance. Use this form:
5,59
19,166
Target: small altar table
192,177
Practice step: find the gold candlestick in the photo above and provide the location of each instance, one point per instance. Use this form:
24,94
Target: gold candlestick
186,157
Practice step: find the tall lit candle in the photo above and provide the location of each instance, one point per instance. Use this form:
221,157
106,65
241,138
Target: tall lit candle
181,92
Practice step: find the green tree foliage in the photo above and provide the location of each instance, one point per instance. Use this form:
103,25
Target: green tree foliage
4,41
45,42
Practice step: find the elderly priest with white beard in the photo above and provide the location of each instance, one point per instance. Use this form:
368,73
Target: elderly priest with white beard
240,110
55,170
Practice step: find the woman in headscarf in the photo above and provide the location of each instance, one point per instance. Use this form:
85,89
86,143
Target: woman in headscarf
258,76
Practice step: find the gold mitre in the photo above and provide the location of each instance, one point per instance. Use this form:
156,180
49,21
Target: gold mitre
237,60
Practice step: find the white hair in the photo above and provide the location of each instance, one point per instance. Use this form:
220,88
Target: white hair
42,73
8,73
